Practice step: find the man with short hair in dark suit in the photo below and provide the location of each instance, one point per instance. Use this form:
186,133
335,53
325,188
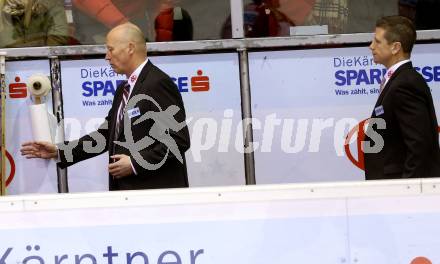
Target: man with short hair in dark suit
409,145
145,130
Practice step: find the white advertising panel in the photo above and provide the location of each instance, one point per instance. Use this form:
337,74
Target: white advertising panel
88,89
306,102
25,175
394,230
203,227
210,88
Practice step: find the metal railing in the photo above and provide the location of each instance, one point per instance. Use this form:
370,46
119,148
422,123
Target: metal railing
241,46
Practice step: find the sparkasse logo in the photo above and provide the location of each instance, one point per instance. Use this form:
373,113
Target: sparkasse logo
198,83
17,89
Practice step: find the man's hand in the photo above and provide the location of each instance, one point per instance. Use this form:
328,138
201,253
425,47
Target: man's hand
40,149
121,167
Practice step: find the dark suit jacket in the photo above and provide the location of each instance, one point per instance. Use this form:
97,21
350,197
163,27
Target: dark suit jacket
411,145
158,86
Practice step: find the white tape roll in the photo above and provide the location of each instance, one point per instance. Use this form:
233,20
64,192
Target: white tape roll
40,123
39,85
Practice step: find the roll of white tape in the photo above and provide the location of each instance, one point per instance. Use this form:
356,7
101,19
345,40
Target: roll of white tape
39,85
40,123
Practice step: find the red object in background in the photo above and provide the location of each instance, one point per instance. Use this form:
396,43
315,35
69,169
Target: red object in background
359,130
164,25
297,11
108,12
12,172
421,260
360,163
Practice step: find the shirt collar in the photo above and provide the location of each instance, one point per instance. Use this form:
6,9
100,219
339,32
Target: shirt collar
394,68
133,77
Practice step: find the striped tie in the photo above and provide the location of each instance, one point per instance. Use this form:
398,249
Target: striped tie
382,85
125,94
384,80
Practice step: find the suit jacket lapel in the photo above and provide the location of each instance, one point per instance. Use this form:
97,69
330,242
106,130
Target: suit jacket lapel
386,89
137,87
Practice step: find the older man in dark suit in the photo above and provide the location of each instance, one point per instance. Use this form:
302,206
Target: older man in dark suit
408,147
145,130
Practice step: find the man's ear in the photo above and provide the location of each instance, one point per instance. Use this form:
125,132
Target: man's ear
131,47
397,46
